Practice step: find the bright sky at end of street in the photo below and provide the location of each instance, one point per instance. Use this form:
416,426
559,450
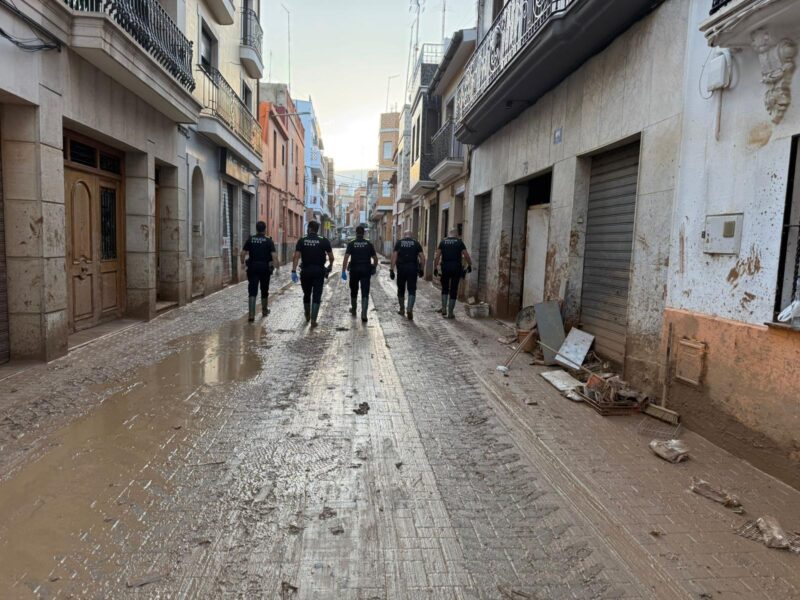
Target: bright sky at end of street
342,54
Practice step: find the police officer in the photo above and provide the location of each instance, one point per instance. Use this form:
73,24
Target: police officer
408,258
261,262
312,249
450,253
362,261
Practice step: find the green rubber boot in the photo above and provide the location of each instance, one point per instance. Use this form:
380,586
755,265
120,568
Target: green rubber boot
451,306
443,310
364,307
314,314
307,310
402,302
353,303
264,305
251,308
412,298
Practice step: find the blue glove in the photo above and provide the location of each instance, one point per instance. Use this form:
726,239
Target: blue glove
344,276
295,278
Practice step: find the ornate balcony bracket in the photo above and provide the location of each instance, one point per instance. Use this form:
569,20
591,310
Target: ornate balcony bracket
767,27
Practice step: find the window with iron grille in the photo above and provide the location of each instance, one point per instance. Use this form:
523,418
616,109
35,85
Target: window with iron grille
789,267
82,154
108,223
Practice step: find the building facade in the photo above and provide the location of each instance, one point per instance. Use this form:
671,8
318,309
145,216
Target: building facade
382,199
282,184
316,175
224,145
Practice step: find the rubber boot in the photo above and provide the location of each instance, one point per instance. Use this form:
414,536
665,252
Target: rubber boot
451,306
307,309
353,303
251,308
314,314
402,302
364,307
412,298
264,305
443,310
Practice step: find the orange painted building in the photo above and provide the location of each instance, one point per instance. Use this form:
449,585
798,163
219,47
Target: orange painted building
281,182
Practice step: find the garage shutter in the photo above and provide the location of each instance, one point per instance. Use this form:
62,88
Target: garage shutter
4,343
609,241
483,245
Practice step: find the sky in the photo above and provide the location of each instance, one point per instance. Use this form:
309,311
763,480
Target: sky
342,54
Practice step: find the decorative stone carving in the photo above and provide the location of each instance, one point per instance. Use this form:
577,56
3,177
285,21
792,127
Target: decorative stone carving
777,67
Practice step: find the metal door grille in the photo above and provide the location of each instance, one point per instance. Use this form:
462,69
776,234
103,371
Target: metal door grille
609,242
227,234
247,223
483,245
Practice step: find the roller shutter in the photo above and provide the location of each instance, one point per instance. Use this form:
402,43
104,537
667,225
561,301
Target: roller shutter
4,343
483,245
609,243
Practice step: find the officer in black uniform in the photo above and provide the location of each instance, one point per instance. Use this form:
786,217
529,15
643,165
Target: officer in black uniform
450,253
408,258
362,261
312,249
262,260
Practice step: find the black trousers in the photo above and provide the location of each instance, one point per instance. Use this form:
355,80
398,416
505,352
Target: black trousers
407,279
258,275
312,281
451,276
360,276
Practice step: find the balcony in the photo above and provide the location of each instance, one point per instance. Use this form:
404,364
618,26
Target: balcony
226,119
136,43
250,48
222,10
448,154
430,55
529,49
420,178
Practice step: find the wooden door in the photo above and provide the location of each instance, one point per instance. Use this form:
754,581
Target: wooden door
536,254
94,249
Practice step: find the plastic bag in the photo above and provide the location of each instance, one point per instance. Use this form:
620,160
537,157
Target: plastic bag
774,535
703,488
673,451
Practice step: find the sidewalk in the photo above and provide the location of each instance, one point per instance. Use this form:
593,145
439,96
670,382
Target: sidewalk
640,504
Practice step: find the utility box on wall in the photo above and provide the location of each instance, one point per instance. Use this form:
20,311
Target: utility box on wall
723,234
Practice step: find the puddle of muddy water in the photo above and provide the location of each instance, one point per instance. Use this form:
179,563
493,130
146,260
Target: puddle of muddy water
72,515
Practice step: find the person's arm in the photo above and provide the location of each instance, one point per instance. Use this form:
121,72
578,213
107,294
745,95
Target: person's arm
374,257
245,251
394,261
330,258
275,262
345,262
421,259
437,258
467,257
295,260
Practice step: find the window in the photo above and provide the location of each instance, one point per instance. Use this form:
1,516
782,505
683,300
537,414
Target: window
274,149
108,223
283,154
208,48
386,190
789,267
413,143
247,96
387,150
445,222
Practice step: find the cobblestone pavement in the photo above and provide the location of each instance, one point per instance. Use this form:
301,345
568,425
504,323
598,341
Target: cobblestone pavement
199,456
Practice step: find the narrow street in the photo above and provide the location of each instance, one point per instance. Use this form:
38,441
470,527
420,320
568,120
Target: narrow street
200,456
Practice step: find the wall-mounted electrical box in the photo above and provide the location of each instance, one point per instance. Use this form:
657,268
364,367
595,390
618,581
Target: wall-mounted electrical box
723,234
718,71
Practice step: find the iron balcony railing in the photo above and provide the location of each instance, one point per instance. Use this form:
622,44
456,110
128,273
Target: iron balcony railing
153,30
717,5
518,23
221,101
429,54
252,34
445,145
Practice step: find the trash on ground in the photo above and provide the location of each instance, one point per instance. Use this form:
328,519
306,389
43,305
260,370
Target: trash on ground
673,451
656,532
658,430
502,369
338,530
287,589
509,339
526,318
477,311
137,582
574,396
327,513
561,380
362,409
768,531
705,489
398,465
294,529
551,329
573,351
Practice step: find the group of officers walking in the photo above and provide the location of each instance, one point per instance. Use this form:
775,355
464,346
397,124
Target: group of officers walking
314,255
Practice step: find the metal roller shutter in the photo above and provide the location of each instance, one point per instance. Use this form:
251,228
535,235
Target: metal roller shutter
609,242
247,227
483,245
227,233
4,342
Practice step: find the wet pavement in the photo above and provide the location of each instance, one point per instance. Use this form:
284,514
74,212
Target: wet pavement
200,456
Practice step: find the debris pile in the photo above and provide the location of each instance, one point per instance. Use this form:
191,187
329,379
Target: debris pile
363,408
673,451
769,532
705,489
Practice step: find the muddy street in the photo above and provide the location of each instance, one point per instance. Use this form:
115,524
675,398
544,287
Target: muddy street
201,456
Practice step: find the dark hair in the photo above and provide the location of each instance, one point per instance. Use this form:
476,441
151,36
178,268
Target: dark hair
313,227
360,230
261,227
